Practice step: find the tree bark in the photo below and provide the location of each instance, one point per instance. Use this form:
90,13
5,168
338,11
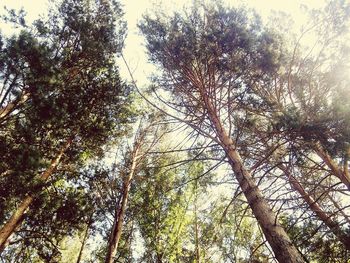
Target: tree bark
5,111
336,170
198,257
116,230
84,239
321,214
341,210
18,216
284,250
343,176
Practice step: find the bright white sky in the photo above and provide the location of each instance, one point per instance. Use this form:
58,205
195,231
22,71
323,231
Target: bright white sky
134,50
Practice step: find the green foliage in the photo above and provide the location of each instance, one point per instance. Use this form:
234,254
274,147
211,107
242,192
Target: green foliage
163,218
318,246
60,81
231,41
65,65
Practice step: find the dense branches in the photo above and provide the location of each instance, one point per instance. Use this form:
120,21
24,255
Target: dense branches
243,158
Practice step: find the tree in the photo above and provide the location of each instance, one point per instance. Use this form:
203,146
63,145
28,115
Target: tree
127,174
302,115
311,81
207,60
164,221
76,101
147,136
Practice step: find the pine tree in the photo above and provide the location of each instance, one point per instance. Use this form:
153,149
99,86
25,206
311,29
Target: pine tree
76,101
207,60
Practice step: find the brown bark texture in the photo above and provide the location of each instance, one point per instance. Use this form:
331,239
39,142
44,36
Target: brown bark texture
5,111
284,250
332,165
315,207
117,227
86,234
18,216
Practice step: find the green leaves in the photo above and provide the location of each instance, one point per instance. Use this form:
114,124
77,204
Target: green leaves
64,65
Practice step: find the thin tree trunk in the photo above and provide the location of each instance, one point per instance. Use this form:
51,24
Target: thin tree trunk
18,216
321,214
341,210
159,257
120,211
86,234
5,111
343,176
346,163
336,170
198,260
196,226
284,250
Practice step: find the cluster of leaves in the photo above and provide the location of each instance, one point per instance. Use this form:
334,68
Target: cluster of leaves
59,83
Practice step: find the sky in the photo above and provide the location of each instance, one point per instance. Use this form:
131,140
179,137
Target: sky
134,51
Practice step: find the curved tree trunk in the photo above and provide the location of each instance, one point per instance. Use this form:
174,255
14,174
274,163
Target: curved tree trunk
18,216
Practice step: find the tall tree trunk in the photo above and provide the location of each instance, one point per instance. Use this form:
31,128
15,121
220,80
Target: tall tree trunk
197,248
343,175
159,257
336,170
18,216
83,242
5,111
321,214
284,250
341,210
198,255
120,211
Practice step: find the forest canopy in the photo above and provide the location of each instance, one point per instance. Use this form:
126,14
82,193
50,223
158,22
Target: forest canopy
236,151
